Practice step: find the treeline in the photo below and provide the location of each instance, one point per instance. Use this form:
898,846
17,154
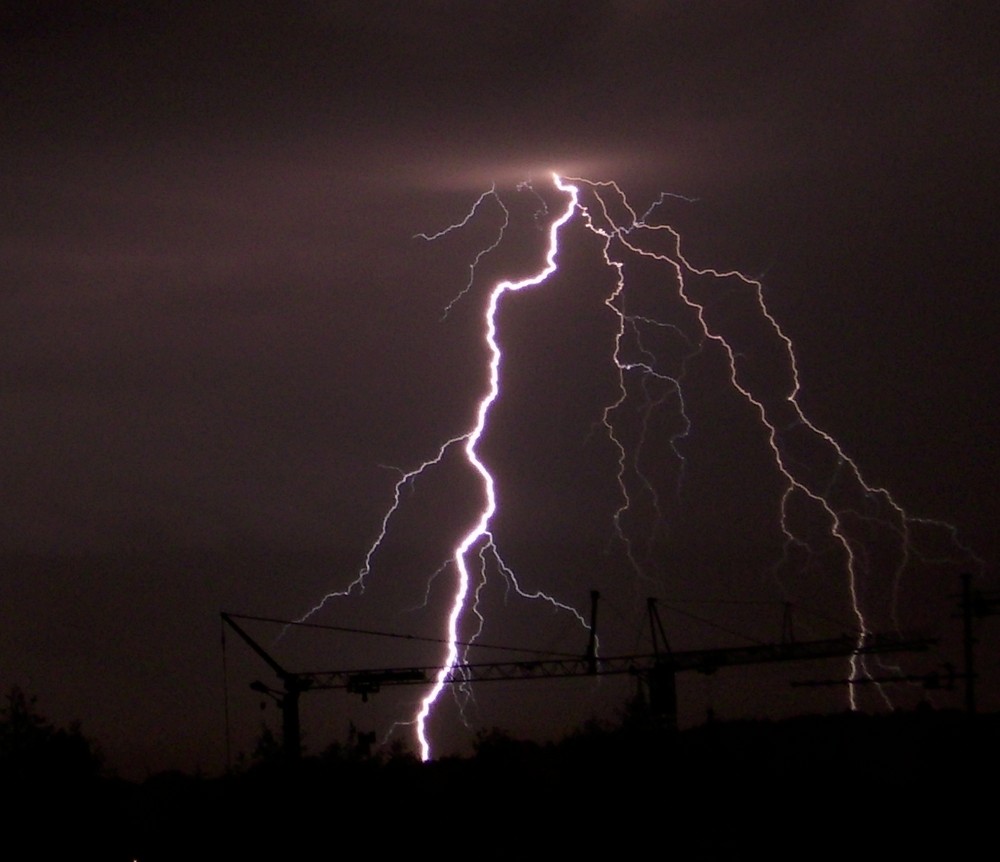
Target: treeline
812,787
33,751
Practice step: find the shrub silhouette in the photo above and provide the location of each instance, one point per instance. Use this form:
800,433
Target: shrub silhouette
33,752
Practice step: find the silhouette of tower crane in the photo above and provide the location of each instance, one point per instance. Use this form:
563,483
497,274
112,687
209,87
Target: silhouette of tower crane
657,669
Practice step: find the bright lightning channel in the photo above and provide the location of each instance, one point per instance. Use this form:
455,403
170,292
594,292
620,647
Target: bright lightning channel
843,497
480,530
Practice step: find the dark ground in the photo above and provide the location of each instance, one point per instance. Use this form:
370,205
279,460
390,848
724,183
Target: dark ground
814,787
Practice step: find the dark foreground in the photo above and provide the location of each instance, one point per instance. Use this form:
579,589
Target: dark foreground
848,786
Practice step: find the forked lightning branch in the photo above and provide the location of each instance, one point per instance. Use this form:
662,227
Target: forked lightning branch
829,483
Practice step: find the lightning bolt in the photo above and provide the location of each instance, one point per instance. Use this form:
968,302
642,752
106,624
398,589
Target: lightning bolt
844,497
480,530
815,471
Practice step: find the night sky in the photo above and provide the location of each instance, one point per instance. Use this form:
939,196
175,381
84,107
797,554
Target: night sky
221,341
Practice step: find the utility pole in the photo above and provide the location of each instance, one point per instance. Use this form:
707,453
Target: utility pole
974,603
662,677
968,643
592,641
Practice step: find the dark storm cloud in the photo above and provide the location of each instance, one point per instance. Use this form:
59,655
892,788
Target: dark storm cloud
215,325
730,88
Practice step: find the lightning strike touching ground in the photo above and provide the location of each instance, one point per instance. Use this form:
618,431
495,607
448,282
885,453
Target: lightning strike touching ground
480,530
831,520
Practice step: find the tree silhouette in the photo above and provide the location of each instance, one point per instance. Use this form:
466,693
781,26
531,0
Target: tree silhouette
34,752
